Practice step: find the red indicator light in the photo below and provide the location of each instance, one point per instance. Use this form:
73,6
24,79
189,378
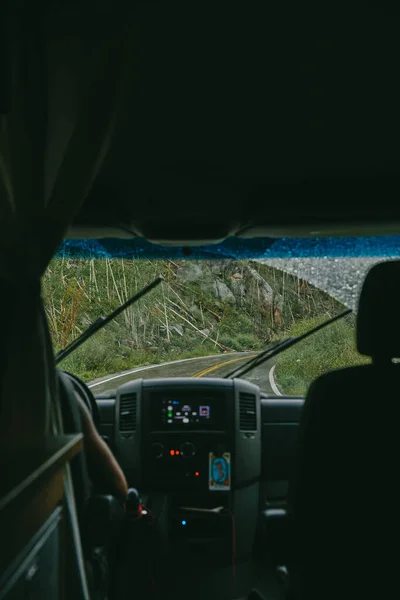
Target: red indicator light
172,452
177,452
197,473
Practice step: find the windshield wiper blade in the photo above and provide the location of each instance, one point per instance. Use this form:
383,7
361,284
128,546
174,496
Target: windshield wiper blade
280,346
102,321
252,362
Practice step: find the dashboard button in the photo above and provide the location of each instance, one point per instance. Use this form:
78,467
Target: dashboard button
188,450
157,450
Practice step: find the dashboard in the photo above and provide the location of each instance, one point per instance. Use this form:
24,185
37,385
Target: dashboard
170,433
185,434
211,460
207,453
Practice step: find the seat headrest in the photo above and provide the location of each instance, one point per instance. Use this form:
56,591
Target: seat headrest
378,318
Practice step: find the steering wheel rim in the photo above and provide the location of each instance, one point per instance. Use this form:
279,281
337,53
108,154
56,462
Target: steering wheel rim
85,393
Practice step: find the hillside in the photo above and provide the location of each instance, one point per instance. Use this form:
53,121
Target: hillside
204,307
331,348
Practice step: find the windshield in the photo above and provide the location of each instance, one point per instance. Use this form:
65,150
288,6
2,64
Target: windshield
208,317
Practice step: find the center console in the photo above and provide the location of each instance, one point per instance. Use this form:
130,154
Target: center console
180,435
194,447
183,426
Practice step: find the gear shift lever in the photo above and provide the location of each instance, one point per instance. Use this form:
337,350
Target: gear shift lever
133,503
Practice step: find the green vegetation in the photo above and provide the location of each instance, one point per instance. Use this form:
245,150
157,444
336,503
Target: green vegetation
203,308
330,348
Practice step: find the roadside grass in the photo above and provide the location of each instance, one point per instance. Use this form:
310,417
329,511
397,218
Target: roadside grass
330,348
102,355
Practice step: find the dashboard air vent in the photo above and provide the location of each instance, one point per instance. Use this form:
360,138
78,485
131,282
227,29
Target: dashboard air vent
127,412
247,412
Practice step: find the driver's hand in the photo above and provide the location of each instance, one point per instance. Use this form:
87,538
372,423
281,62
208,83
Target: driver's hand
104,471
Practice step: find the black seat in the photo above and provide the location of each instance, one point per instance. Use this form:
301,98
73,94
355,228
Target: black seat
344,493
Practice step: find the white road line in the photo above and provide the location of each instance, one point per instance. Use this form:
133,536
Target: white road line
172,362
272,383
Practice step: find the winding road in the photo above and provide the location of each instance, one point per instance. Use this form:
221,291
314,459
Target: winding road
206,366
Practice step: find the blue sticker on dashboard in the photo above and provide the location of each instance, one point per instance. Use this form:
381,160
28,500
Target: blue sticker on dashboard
219,472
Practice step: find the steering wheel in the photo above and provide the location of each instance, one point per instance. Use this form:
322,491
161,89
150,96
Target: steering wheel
85,393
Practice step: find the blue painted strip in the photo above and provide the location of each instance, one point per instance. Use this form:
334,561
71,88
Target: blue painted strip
384,246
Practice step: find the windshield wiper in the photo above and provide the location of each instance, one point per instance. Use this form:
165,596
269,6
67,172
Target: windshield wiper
280,346
102,321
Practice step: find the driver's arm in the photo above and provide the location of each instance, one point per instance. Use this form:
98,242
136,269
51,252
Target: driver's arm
104,471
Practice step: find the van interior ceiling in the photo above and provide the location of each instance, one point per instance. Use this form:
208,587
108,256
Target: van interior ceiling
175,125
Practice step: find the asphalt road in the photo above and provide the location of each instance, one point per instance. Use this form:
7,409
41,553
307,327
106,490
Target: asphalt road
206,366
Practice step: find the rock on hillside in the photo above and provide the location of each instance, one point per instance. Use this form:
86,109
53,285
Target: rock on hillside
230,283
265,291
192,272
222,292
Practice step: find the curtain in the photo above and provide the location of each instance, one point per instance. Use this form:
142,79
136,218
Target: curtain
62,69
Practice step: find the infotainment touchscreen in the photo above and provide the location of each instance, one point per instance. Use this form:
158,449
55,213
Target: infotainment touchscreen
181,411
